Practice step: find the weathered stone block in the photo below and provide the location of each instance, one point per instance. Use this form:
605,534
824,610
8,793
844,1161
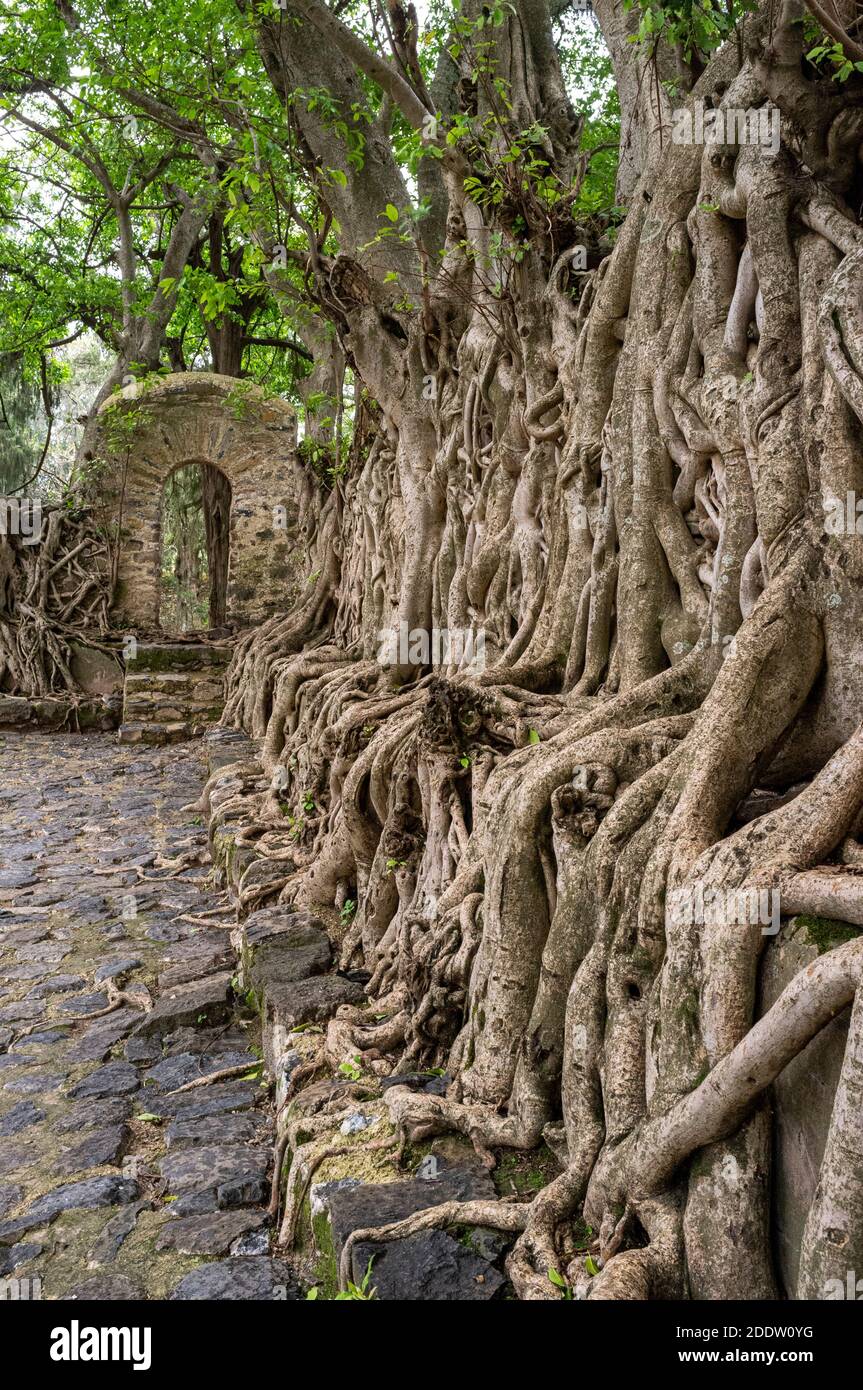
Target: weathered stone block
205,1001
277,945
286,1006
252,1278
377,1204
429,1267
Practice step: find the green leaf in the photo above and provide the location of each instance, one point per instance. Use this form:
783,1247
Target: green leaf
392,212
533,736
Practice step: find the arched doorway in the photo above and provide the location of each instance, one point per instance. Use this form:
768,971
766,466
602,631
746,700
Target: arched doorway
195,548
243,444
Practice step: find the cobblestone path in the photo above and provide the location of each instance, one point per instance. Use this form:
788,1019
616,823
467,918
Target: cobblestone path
115,1183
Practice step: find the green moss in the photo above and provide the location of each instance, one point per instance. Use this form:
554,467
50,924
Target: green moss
582,1233
825,934
525,1172
326,1269
89,717
63,1264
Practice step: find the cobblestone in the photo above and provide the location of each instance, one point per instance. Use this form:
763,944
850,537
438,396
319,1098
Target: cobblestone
91,901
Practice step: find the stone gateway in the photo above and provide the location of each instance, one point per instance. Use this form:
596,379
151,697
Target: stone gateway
146,433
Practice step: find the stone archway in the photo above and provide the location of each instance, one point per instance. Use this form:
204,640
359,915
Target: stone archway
145,433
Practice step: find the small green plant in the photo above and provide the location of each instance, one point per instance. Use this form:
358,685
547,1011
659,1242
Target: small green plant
352,1069
560,1283
393,864
347,911
834,53
361,1292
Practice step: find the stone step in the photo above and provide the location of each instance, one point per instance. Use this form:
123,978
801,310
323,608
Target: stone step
172,691
174,680
177,656
140,732
164,708
290,1005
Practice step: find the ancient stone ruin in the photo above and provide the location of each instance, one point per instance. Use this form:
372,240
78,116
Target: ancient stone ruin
223,424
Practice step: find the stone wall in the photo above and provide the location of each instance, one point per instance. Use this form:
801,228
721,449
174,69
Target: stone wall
148,431
804,1092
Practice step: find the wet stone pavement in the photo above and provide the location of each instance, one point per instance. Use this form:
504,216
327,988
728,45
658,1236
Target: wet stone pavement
114,1182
